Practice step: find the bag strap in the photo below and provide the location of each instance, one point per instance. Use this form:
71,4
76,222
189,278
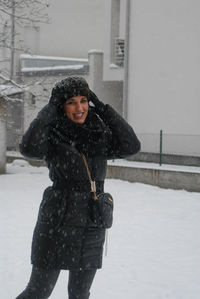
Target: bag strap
89,176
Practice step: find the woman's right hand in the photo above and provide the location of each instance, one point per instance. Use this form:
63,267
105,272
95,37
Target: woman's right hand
48,113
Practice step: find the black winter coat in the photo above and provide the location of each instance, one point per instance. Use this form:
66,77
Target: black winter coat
65,236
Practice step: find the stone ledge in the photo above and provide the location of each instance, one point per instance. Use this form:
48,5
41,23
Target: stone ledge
162,178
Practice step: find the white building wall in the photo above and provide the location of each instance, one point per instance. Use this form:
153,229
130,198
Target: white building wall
164,72
3,136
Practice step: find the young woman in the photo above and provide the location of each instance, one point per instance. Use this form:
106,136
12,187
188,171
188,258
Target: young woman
65,236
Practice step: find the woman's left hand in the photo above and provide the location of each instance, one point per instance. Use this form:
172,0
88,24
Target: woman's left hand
99,106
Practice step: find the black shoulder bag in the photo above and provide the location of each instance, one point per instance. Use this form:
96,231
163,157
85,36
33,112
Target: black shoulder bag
102,207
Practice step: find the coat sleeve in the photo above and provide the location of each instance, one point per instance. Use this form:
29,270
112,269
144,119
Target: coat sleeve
34,143
123,141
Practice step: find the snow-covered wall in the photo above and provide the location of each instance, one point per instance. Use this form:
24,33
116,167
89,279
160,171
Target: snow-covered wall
164,72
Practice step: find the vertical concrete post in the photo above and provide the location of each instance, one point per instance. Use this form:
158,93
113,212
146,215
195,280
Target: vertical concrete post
110,92
95,58
2,136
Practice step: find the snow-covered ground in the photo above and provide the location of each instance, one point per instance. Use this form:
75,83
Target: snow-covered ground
153,246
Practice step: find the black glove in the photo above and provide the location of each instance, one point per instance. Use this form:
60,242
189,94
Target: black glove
54,100
99,106
57,96
48,114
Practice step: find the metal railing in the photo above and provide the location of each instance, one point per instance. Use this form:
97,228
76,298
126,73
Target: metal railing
161,143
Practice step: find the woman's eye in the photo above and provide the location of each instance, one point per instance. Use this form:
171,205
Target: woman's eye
83,100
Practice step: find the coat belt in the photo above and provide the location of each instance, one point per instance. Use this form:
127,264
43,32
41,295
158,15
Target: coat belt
77,186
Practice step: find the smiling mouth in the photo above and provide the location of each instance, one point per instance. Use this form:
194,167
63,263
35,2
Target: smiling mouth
78,115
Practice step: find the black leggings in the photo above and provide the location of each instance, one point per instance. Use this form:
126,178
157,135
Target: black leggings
42,282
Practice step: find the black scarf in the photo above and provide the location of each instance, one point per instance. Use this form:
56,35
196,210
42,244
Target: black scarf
90,138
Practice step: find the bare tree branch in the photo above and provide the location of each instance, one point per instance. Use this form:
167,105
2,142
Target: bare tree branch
34,20
15,14
6,79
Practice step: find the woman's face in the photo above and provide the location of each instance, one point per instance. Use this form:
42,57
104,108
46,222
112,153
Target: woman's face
76,109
